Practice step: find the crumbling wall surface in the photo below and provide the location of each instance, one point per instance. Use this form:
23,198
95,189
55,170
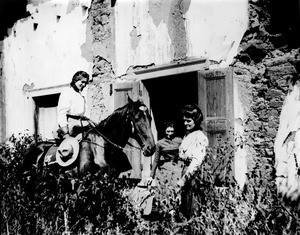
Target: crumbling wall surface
287,146
101,29
264,72
177,30
2,99
101,20
157,32
100,101
215,29
44,50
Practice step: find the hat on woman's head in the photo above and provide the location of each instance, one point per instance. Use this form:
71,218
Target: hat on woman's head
194,112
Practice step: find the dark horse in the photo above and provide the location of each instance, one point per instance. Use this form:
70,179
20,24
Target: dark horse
102,145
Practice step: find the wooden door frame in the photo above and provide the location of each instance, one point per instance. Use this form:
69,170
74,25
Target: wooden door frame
229,109
193,66
171,69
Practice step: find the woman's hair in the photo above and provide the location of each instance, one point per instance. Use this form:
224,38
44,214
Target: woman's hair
194,112
78,76
169,124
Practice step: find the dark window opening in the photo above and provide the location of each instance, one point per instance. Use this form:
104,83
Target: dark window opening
285,20
168,96
46,101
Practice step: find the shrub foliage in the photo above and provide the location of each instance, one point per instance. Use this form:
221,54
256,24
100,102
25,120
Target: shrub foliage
210,203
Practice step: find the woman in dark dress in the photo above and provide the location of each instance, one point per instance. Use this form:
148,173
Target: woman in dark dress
166,167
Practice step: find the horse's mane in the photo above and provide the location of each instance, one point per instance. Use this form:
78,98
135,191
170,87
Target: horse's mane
113,119
118,114
116,121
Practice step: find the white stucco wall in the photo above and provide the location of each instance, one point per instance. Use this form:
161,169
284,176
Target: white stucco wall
154,44
240,161
214,29
45,57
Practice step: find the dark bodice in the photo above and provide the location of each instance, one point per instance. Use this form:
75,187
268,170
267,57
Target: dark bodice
166,151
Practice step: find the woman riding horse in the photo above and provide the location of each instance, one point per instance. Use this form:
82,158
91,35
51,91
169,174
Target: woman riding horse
102,145
71,104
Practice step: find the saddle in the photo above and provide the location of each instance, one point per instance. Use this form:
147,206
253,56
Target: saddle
64,155
64,152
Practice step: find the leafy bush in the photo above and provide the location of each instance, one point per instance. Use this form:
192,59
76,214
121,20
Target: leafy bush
61,202
210,203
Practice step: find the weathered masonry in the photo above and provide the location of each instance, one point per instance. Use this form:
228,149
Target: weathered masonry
238,60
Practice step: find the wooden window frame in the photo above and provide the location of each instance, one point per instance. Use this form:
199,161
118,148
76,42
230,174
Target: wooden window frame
34,93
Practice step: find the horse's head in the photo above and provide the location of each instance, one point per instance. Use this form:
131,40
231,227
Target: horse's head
141,126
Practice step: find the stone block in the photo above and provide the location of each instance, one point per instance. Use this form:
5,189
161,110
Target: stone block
241,71
254,125
276,61
280,70
274,103
271,132
273,93
273,113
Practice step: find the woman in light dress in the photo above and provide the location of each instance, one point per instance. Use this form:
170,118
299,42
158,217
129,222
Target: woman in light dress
193,147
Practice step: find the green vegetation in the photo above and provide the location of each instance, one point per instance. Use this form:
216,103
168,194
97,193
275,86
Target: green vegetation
95,204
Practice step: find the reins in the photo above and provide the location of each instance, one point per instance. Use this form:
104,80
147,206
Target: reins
105,138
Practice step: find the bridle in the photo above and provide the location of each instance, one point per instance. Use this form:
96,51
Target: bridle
93,127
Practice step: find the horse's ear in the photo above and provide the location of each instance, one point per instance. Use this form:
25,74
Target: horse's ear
129,99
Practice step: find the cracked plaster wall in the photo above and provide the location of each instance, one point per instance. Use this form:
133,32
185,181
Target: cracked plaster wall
44,50
155,32
101,21
264,71
160,32
58,39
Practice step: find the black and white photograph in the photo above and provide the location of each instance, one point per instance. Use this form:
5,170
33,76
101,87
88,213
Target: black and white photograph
149,117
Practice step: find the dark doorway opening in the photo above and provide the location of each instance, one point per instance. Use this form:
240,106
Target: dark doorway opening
168,95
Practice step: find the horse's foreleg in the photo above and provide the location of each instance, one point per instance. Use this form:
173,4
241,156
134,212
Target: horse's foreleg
84,158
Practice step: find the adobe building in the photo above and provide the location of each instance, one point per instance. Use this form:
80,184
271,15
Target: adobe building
237,59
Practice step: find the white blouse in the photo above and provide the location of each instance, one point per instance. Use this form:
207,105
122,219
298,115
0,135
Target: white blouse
193,147
70,102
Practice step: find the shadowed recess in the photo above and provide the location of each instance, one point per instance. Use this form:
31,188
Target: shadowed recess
10,12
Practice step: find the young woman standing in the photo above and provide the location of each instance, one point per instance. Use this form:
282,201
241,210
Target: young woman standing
193,147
